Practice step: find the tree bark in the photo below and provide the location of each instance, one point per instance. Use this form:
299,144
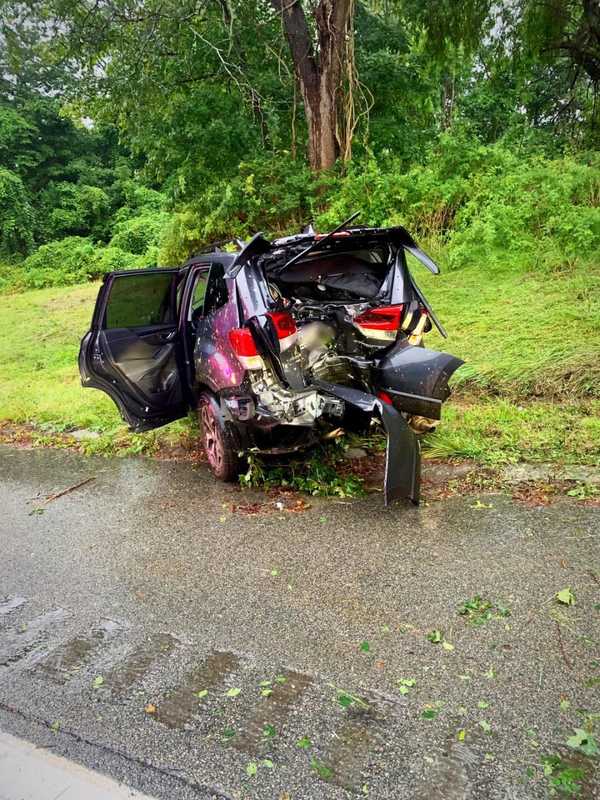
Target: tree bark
319,70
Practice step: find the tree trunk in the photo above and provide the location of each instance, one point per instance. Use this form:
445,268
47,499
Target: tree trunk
319,70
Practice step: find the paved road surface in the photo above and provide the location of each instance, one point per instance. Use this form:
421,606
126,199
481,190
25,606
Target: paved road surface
122,600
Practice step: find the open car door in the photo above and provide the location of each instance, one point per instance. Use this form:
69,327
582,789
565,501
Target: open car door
132,349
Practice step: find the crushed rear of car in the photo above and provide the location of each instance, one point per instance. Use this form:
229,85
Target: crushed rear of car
289,342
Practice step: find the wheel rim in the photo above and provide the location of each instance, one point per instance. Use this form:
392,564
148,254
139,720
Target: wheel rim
213,444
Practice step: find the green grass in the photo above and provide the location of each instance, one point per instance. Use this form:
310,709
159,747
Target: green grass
531,334
40,332
497,431
521,335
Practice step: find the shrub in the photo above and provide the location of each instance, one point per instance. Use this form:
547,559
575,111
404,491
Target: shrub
139,234
270,194
71,209
72,260
16,214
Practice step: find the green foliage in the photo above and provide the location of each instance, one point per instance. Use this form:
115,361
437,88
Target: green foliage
270,194
16,214
563,776
478,611
316,475
73,209
73,260
139,234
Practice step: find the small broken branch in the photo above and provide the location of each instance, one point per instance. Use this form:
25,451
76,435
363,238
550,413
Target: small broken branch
562,647
55,496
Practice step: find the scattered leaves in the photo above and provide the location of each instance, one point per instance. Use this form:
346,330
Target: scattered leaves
304,743
269,731
435,636
485,725
232,692
583,741
202,693
251,769
150,708
566,597
430,713
97,682
364,647
323,771
405,685
478,611
478,504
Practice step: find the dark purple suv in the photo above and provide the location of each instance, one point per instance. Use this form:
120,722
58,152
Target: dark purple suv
277,345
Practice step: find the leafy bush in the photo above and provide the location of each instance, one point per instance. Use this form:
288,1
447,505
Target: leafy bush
16,214
70,209
273,195
139,234
72,260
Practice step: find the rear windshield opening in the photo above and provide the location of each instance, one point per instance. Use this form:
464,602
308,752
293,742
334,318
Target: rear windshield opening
347,276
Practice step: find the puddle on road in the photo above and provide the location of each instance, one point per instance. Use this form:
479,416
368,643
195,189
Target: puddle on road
133,668
10,604
181,704
70,657
272,710
16,643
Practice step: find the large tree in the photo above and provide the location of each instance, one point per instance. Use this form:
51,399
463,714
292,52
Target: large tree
323,63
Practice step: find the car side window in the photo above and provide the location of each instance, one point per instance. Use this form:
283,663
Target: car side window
199,293
137,301
217,293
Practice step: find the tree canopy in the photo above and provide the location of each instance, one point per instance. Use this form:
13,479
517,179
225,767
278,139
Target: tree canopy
178,95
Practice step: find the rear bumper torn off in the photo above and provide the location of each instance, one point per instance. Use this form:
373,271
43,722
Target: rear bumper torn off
403,452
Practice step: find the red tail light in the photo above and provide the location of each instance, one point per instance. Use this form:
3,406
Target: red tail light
384,396
380,323
244,347
285,327
243,342
284,323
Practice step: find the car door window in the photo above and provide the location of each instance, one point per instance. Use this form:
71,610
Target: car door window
216,293
198,295
138,301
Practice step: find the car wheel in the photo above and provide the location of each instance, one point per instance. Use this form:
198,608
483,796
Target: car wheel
219,445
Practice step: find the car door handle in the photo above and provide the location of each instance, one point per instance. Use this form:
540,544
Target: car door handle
169,337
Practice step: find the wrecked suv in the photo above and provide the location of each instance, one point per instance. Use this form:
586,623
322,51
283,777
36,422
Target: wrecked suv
277,345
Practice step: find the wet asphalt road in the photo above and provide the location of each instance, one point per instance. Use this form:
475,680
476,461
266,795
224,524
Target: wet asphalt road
146,578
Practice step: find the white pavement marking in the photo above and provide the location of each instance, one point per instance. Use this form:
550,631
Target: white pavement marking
31,773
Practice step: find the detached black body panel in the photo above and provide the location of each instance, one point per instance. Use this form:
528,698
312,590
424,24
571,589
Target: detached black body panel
416,378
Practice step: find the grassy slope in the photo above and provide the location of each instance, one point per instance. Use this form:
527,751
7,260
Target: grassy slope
518,335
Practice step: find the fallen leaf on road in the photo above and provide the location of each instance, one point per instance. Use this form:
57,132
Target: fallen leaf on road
150,708
566,597
97,682
233,692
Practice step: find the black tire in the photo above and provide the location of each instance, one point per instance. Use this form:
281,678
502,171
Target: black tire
219,445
